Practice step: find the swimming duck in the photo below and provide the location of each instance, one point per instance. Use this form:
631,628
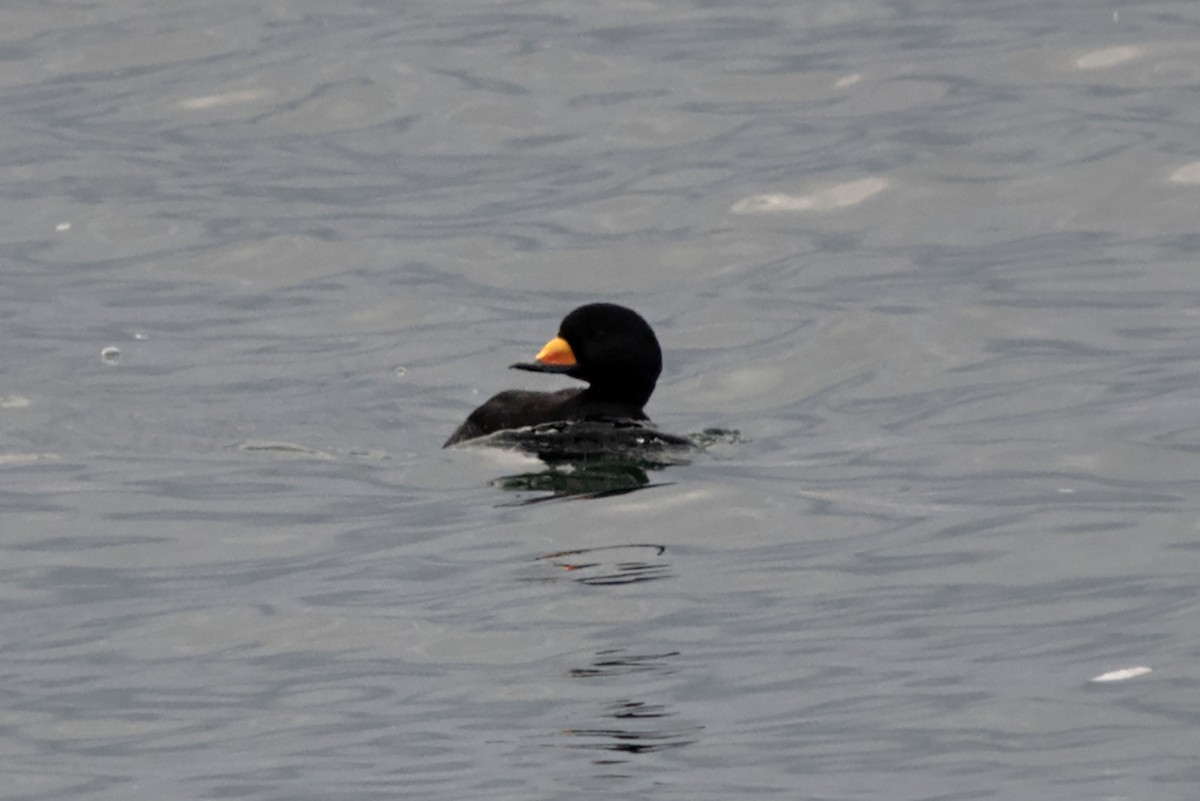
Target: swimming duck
609,346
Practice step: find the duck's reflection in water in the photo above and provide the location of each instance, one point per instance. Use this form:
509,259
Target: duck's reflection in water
607,566
590,459
629,726
618,662
579,481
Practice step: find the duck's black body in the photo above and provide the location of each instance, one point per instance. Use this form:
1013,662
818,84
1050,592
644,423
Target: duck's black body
609,346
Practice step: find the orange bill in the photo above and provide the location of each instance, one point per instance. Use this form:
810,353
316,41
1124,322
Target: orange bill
557,352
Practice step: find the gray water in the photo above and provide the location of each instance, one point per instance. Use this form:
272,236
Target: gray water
936,264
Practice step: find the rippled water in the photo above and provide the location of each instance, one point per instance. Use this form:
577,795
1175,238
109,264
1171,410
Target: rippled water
928,271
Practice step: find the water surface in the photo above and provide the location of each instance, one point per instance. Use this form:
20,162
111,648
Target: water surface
934,263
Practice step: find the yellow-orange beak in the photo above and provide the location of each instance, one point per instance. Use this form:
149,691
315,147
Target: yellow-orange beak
557,352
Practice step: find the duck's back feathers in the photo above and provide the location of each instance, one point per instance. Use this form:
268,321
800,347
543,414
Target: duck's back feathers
513,408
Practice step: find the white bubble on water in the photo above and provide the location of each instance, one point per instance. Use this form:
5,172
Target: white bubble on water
1124,674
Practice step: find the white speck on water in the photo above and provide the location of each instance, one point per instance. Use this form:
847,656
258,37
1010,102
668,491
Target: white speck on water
1123,674
110,355
274,447
839,196
1187,174
141,337
1108,57
25,458
14,402
63,226
400,372
226,99
849,80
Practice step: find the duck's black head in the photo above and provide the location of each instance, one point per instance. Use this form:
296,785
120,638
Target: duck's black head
609,346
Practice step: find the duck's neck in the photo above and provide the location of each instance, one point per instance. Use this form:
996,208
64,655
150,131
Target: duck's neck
628,398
